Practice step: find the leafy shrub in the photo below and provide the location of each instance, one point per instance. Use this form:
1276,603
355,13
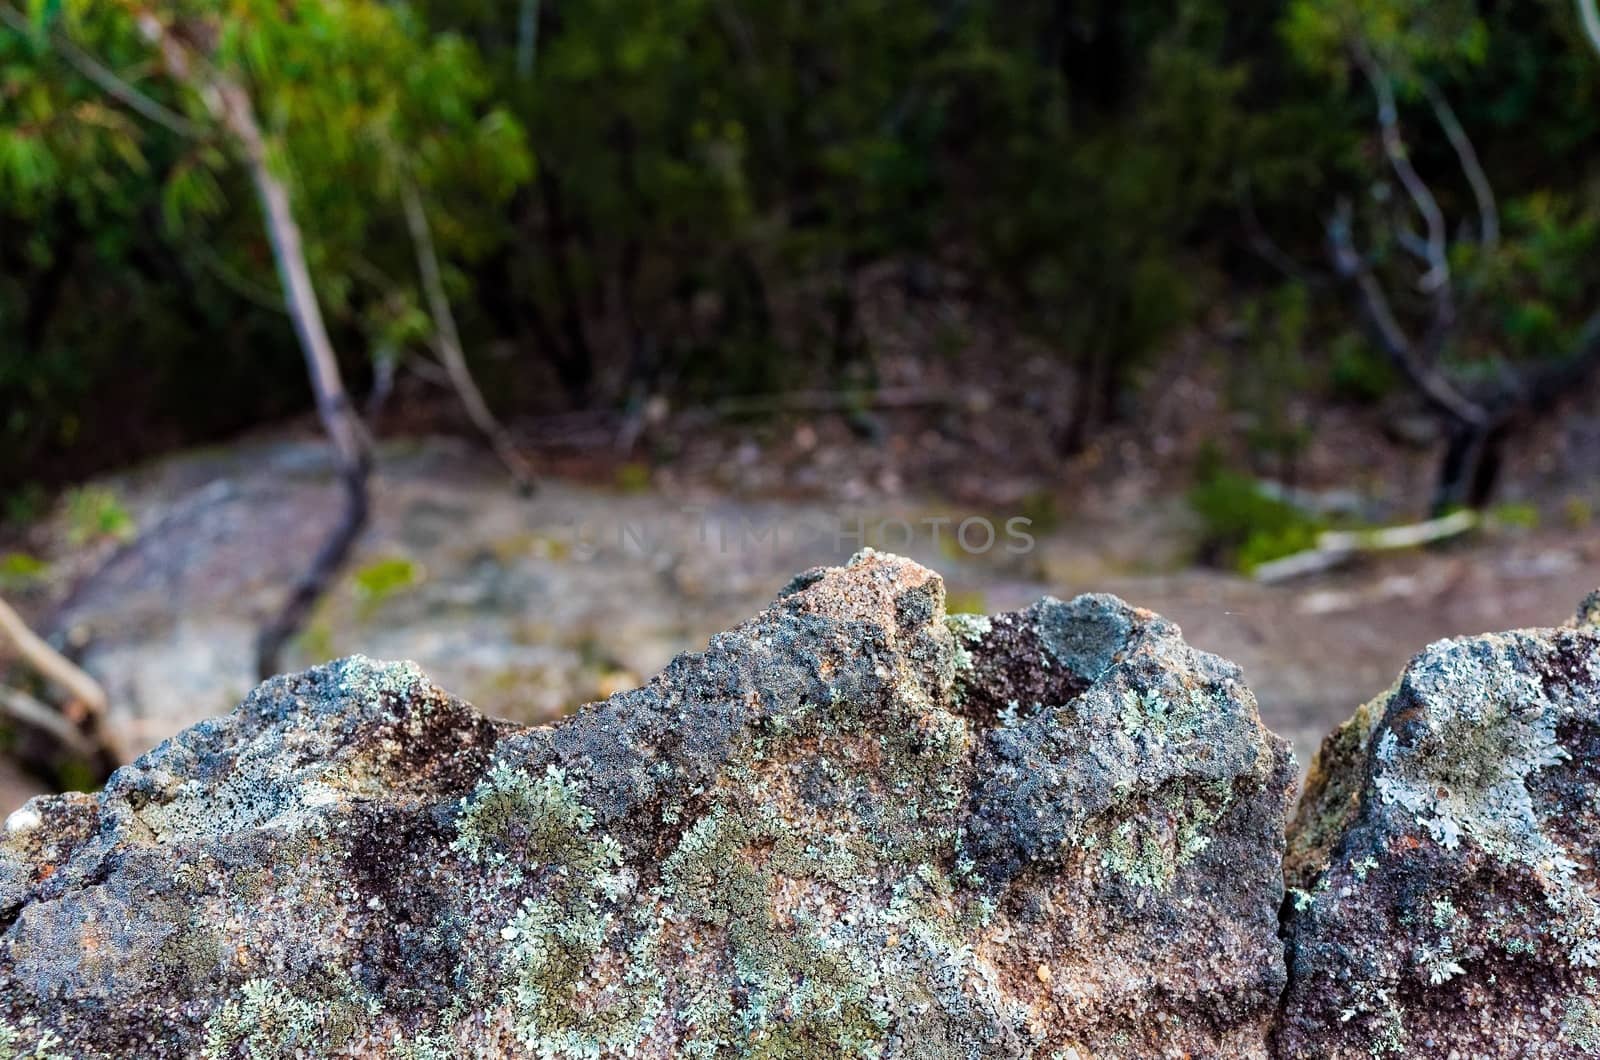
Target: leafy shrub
1243,528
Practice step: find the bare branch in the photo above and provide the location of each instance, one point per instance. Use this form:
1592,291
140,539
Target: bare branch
1335,547
1394,148
1590,12
1266,247
57,668
1482,190
24,708
109,82
447,341
1349,264
527,38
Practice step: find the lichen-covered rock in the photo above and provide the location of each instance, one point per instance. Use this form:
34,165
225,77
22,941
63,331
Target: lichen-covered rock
851,827
1588,611
1444,898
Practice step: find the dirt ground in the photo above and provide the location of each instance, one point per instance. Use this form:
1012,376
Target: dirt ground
530,606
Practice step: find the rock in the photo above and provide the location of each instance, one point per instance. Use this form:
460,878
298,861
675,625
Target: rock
1588,611
850,827
1443,861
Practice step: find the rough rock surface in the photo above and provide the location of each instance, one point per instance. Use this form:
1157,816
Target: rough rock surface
850,827
1445,899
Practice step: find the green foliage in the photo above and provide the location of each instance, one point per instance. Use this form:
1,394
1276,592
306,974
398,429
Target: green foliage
713,182
1357,371
1516,515
381,579
19,570
1243,527
93,514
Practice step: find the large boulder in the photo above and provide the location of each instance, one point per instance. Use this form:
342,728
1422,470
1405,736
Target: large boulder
851,827
1444,899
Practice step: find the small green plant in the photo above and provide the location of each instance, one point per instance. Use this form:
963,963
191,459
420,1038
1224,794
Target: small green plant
633,477
1516,515
1243,528
1359,373
19,570
383,578
1042,510
94,513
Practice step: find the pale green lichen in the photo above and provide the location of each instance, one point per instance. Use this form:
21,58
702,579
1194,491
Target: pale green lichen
1580,1025
24,1043
264,1019
1149,847
1165,719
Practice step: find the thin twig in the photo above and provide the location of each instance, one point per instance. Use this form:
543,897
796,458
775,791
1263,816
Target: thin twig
107,79
30,711
1394,148
57,668
1266,247
1482,190
447,342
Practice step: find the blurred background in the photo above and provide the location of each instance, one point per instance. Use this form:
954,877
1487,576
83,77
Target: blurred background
536,340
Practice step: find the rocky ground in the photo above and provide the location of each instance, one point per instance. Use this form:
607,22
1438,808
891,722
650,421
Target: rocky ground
529,606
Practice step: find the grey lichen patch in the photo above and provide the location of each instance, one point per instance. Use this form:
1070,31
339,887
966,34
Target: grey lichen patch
852,827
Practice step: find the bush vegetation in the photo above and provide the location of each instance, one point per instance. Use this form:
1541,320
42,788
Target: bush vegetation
633,197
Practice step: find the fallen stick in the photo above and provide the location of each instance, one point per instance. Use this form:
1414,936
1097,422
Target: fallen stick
55,667
1335,547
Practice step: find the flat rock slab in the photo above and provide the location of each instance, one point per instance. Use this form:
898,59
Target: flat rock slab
853,826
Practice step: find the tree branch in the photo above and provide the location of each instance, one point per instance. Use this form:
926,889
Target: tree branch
1482,190
1590,13
1394,148
109,82
24,708
57,668
527,38
447,342
1350,265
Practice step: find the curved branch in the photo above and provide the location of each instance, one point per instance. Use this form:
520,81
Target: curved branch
50,664
1394,148
1432,384
1590,13
447,342
1482,190
109,82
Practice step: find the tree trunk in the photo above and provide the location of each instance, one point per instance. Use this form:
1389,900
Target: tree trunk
231,104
